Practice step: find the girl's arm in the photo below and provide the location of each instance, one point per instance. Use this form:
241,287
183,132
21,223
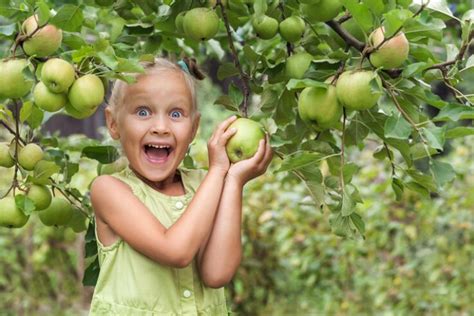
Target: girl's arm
220,255
116,206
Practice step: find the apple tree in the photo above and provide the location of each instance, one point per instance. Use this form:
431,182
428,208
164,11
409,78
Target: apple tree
326,78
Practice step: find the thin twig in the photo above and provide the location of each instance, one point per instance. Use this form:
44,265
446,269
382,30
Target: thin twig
243,76
390,158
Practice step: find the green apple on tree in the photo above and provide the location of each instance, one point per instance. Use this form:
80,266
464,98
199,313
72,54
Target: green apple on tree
43,42
266,27
78,222
86,93
40,195
199,153
322,11
47,100
114,167
358,89
13,82
244,143
292,28
71,111
319,106
179,20
29,156
10,215
297,64
58,213
392,53
58,75
6,159
201,24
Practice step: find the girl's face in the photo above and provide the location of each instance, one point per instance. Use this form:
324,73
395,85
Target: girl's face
155,124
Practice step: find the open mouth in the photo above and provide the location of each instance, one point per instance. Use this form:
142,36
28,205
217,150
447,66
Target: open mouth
157,153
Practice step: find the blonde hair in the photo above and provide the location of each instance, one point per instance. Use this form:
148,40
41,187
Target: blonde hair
190,73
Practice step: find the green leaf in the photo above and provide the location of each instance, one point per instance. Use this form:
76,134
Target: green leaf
70,169
360,12
442,172
227,70
348,205
340,225
236,95
227,103
43,12
424,180
69,18
36,117
91,249
397,127
356,132
299,160
260,7
394,20
103,154
439,6
455,112
26,205
435,136
92,273
43,170
358,223
127,65
303,83
26,110
397,186
459,132
8,29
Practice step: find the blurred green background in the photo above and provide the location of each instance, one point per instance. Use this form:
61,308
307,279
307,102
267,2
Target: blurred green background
417,257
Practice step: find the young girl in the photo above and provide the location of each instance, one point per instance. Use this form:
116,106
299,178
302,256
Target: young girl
168,238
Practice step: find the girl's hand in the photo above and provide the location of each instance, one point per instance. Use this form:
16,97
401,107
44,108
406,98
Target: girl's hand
246,170
218,159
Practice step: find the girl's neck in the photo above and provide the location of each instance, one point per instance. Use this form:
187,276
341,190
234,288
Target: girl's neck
172,186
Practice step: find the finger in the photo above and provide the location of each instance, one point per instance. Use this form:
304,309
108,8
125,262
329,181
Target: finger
268,153
258,156
225,124
227,135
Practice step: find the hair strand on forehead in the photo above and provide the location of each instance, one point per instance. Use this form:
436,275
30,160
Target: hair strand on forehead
156,67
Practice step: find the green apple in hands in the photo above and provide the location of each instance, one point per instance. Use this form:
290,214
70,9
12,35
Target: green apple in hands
244,143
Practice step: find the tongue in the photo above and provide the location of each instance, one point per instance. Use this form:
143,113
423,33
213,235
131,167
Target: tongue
157,153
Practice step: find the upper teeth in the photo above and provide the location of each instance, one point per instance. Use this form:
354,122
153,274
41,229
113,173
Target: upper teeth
159,146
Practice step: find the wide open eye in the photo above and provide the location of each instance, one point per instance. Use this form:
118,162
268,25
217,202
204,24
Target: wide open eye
143,112
176,114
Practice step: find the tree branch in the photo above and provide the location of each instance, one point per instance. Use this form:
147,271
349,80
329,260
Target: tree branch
243,76
346,36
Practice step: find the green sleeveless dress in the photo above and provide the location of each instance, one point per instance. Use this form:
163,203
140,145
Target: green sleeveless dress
131,284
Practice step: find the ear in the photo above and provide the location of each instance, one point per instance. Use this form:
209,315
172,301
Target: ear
111,123
197,118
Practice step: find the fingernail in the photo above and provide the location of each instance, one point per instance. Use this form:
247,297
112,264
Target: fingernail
233,130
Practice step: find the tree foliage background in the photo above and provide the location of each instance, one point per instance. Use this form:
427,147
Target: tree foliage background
384,178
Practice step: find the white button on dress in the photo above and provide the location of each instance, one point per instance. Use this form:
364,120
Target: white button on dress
179,205
187,293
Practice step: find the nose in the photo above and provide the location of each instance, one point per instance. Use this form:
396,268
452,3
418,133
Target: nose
160,126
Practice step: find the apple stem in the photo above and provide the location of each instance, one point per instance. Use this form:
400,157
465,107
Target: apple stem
245,78
289,47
